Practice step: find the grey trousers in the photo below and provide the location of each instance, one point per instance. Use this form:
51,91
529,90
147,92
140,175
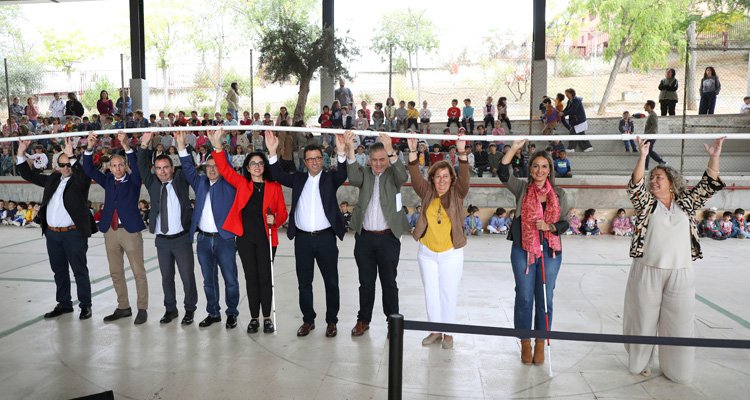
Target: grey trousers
660,301
180,251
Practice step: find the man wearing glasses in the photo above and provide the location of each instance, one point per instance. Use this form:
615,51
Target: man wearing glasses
66,224
315,222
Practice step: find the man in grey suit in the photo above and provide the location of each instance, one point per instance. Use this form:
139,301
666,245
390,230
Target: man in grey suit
170,218
378,221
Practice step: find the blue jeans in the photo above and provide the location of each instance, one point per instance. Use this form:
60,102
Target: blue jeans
213,251
529,289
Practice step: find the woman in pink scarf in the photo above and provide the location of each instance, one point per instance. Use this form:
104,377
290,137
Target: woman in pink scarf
540,212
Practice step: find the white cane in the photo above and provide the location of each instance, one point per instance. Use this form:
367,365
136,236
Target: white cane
546,312
273,284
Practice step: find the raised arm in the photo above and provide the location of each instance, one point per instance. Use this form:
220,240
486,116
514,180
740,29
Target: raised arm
353,169
418,182
88,162
272,144
339,176
640,166
462,183
710,183
144,159
505,171
222,164
23,166
187,161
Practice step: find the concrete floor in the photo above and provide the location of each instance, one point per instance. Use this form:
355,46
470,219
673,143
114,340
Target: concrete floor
65,358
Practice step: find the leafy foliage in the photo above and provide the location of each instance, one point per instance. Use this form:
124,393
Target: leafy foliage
63,50
91,94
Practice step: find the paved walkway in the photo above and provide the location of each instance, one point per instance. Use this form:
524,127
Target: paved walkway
66,358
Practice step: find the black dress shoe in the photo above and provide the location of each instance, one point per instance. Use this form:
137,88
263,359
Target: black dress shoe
231,321
119,313
188,318
168,317
331,330
268,326
58,311
208,321
85,313
141,317
253,326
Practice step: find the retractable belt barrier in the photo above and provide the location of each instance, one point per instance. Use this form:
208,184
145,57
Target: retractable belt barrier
397,325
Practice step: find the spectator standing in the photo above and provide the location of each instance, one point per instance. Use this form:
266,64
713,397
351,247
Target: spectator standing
577,119
343,94
710,88
31,111
73,107
233,100
652,127
668,93
626,128
124,104
57,107
104,105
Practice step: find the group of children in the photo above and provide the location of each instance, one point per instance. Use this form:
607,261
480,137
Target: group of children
730,226
20,213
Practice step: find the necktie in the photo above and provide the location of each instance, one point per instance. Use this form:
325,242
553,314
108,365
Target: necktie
163,209
115,217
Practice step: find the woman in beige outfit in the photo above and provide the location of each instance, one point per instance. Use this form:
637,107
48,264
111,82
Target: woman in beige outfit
660,293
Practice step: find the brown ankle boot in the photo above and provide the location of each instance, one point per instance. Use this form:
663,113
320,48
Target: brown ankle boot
539,352
526,351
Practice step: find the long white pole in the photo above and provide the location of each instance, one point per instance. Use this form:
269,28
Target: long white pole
319,131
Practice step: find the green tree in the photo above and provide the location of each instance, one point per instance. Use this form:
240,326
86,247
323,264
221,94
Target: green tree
63,50
409,32
24,71
91,94
643,30
162,35
255,16
560,29
296,49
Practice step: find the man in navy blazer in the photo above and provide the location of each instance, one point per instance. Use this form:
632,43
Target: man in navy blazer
66,224
169,219
314,223
121,224
216,247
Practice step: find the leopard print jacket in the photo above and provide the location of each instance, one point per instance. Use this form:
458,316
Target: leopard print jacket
689,201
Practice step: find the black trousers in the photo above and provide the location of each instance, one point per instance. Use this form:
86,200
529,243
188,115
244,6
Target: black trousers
652,154
307,250
177,251
585,144
668,107
489,121
256,262
377,254
69,248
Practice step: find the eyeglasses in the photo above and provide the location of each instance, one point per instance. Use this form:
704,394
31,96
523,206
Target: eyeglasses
65,165
314,159
252,164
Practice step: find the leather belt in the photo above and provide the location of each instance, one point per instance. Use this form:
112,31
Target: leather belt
61,229
314,233
208,234
383,232
170,237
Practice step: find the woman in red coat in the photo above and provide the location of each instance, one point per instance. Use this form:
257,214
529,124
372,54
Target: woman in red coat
258,207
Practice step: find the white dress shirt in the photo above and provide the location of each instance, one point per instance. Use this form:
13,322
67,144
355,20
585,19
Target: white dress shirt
207,223
57,215
374,219
175,213
57,108
310,215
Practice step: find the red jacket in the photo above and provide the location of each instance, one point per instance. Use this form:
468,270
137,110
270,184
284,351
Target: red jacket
273,198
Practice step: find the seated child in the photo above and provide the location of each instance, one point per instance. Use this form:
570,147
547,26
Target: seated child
740,226
589,226
621,225
726,225
562,166
497,222
709,227
574,223
472,224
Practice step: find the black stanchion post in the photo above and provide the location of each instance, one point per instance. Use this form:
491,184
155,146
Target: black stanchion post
395,355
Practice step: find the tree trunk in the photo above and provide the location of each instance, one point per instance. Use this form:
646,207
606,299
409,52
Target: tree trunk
165,86
411,72
304,90
691,69
218,94
611,82
557,54
419,82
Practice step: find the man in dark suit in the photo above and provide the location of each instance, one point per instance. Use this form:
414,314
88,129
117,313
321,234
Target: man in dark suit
378,222
66,223
216,246
315,222
169,218
121,224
